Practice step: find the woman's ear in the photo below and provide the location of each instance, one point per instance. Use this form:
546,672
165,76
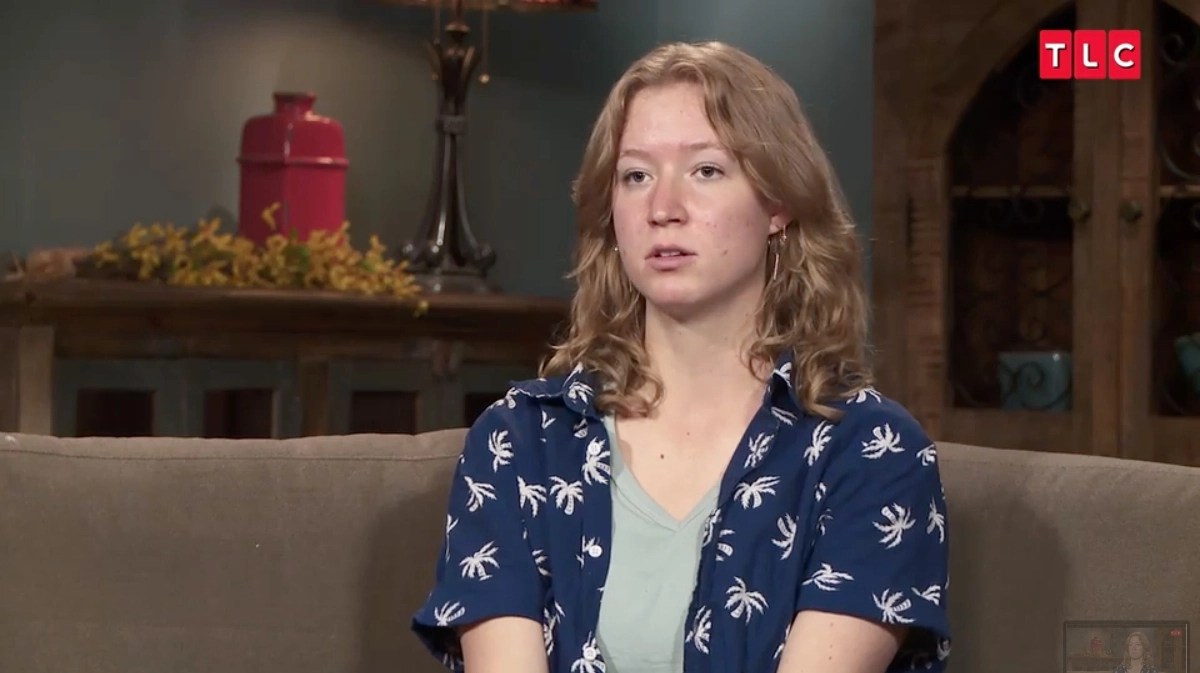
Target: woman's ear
779,221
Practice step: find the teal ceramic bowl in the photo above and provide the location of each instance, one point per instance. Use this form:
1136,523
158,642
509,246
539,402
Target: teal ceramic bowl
1187,352
1035,380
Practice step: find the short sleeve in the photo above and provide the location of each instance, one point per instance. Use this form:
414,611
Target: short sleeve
880,537
485,568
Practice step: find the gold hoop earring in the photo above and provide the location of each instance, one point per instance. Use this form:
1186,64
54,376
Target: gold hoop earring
779,241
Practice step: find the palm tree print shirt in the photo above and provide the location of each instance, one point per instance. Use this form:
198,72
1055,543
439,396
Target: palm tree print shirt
846,517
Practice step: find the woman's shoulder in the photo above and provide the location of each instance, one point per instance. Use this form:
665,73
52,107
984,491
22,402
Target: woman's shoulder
872,424
868,407
530,406
523,398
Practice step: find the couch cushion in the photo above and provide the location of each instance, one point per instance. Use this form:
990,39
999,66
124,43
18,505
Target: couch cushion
177,555
1041,538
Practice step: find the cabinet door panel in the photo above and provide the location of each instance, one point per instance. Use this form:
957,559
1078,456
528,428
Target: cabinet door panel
932,61
1160,247
1008,335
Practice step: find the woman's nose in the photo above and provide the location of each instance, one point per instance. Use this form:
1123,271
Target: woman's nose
666,204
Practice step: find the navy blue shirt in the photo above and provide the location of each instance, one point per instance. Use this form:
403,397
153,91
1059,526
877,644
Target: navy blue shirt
846,517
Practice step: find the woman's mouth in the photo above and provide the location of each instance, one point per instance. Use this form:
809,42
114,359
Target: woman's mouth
669,251
669,258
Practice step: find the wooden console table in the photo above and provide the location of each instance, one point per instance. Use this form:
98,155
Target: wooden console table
89,357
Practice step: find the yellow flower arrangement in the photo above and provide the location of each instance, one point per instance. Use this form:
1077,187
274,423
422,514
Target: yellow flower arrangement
204,256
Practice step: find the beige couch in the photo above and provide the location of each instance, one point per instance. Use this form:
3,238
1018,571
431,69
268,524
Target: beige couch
309,556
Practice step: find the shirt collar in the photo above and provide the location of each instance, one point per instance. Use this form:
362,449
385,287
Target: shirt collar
780,387
577,390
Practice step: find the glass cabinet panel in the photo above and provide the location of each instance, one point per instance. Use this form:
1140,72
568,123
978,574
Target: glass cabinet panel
1011,239
1176,375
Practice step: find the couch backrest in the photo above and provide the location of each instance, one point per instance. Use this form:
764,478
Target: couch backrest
1039,539
310,555
186,555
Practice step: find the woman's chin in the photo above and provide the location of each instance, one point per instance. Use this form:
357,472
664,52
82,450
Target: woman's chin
677,303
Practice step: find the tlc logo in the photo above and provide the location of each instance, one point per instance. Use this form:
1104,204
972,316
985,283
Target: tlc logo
1090,54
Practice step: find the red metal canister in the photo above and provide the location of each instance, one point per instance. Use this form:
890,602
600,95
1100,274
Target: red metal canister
293,171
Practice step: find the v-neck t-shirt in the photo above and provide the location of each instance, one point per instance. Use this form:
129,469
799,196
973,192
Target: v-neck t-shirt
651,576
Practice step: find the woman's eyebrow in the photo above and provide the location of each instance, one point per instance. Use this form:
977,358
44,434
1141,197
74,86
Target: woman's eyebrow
694,146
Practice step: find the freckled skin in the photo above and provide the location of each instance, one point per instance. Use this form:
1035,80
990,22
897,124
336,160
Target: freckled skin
670,190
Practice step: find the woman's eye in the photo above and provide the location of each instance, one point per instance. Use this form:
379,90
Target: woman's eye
709,171
635,176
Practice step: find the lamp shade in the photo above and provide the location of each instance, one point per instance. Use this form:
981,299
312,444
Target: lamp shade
513,5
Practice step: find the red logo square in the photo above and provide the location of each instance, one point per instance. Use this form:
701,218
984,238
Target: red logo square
1125,54
1091,54
1055,54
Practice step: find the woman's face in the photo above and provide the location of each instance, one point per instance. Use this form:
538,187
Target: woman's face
691,229
1135,648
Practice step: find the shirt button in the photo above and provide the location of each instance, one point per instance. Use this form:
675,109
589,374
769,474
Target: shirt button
595,551
589,653
593,449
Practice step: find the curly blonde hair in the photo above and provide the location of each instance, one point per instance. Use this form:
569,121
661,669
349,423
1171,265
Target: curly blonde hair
814,304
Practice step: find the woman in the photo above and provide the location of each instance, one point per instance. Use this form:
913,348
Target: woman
703,480
1137,657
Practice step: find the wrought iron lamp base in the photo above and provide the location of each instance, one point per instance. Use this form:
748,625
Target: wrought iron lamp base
448,257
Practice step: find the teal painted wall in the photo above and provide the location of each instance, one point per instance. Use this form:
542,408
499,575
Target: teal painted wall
131,110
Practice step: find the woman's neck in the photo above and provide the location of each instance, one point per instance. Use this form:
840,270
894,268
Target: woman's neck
695,359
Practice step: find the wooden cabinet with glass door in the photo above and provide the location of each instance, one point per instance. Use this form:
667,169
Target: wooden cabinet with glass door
1021,265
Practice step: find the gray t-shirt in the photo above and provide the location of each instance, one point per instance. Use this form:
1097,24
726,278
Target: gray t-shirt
651,576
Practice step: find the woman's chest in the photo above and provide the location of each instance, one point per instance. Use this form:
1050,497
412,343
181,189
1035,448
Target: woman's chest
676,471
761,511
760,484
750,546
